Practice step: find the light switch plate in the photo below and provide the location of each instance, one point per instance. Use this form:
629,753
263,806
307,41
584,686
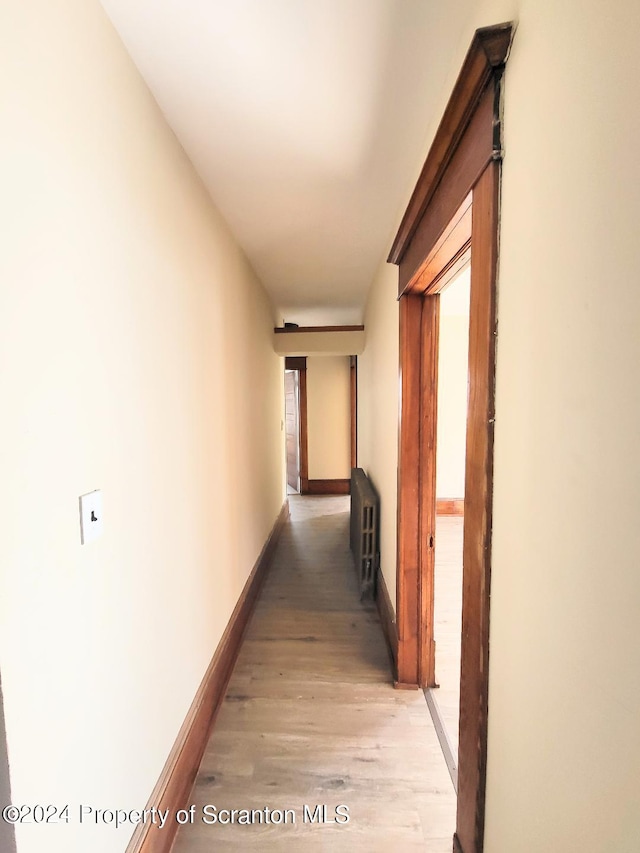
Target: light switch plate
91,523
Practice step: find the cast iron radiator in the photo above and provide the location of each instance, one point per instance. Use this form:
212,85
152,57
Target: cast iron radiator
365,513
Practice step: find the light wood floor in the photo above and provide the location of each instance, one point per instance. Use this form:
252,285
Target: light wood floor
448,621
311,716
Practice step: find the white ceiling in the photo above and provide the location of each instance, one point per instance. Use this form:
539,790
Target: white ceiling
307,121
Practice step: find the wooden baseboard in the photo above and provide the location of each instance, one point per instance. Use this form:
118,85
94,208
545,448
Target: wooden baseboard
328,487
387,619
450,506
178,775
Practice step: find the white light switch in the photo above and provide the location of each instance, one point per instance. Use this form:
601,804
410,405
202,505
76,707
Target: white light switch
90,516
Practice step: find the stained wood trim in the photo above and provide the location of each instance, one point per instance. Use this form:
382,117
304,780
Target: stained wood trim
474,667
447,275
280,330
408,581
353,393
387,618
475,150
452,245
450,506
328,487
457,847
426,473
295,362
488,52
174,786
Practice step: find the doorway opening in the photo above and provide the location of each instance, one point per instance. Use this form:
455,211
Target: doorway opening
320,393
295,408
451,424
452,217
292,429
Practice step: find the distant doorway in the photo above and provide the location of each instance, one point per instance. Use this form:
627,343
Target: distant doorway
292,429
295,408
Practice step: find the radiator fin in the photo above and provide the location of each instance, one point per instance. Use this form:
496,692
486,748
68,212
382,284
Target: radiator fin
365,513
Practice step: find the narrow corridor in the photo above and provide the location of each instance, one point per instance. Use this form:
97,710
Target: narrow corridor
311,717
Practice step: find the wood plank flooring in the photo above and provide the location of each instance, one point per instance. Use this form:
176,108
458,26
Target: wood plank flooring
311,716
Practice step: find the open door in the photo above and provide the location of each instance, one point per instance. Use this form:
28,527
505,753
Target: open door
295,405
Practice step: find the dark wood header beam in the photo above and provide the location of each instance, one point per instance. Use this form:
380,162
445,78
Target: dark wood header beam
281,330
293,362
488,53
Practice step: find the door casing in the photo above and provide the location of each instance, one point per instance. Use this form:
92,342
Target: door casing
453,211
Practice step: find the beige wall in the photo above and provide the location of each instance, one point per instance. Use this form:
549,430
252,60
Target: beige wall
124,348
566,584
378,410
564,698
329,417
453,372
136,351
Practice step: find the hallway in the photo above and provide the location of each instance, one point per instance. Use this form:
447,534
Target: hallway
311,716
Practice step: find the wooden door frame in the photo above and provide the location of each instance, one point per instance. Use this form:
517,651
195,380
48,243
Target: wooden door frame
454,209
299,363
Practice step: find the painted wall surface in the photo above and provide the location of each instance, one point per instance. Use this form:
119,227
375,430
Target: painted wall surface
329,417
564,699
453,372
565,601
378,410
137,358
